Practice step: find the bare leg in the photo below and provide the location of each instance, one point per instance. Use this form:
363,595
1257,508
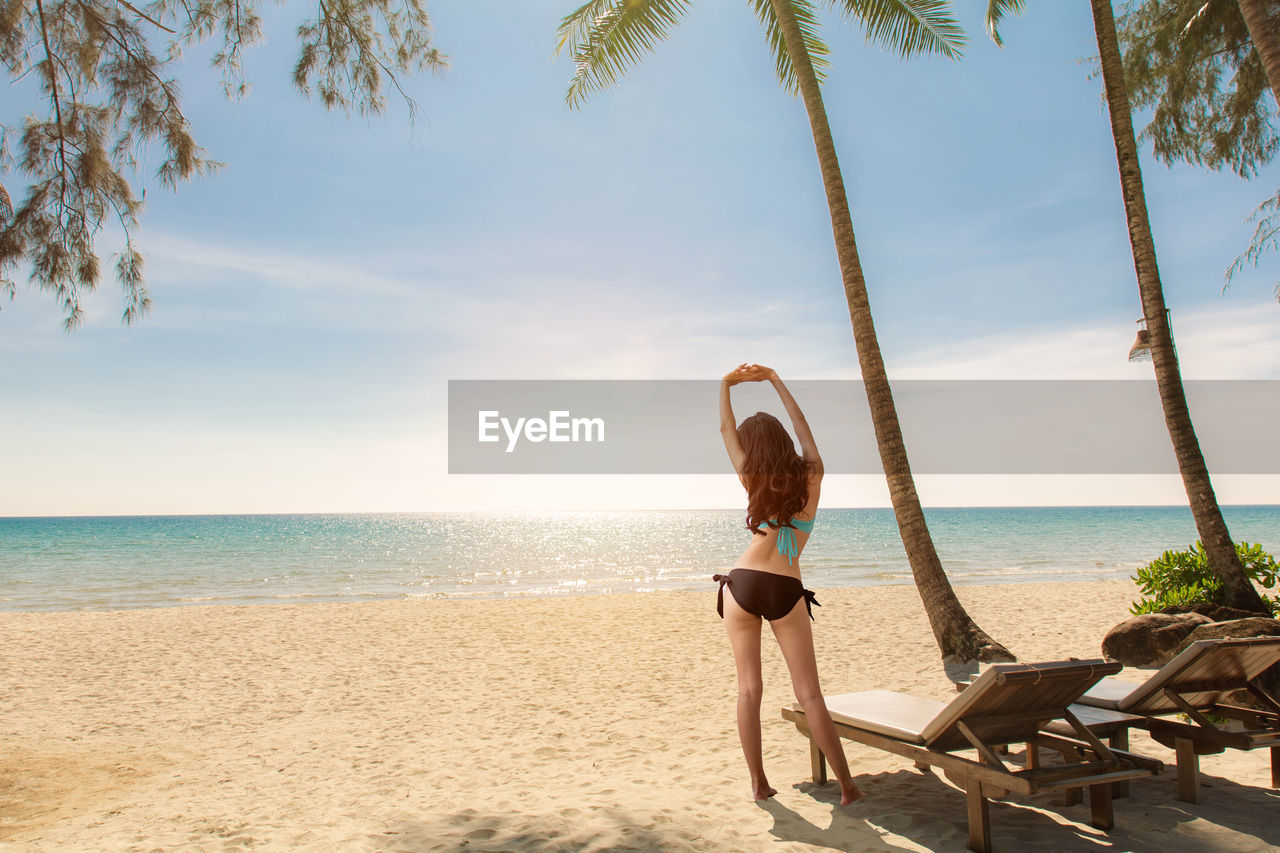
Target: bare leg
744,635
795,637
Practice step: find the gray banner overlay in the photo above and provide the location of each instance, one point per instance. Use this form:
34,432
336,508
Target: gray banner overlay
950,427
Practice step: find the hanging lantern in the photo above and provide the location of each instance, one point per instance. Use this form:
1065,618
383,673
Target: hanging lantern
1141,349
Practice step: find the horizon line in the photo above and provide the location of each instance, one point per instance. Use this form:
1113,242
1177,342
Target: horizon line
600,511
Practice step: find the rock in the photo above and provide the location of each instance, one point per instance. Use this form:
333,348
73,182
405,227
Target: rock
1150,640
1253,626
1215,612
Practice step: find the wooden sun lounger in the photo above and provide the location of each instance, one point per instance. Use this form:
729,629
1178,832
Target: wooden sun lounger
1112,725
1195,683
1009,703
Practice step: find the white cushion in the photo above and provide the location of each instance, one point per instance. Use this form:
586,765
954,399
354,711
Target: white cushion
885,712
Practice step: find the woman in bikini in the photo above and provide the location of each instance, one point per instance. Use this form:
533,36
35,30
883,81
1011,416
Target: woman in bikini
782,497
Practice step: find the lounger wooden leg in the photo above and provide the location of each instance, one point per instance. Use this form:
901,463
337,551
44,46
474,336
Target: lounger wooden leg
1072,796
979,819
817,763
1120,740
1033,756
1188,770
1275,766
1100,812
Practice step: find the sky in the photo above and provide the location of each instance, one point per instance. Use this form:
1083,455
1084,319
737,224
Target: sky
314,297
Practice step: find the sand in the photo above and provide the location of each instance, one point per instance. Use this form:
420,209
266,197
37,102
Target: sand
573,724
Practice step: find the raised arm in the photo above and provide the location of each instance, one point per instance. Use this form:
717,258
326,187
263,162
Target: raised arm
808,447
729,425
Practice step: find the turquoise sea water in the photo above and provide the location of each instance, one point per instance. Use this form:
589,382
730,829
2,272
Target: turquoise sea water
104,563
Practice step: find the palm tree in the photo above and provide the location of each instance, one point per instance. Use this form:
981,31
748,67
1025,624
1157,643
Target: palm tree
1206,67
605,37
1237,589
1263,33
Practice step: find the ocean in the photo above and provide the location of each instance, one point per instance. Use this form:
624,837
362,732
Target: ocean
111,563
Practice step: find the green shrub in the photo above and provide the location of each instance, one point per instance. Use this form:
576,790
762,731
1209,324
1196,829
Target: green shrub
1178,578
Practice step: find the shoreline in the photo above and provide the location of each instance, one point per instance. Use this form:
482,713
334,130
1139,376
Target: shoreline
91,565
591,723
529,596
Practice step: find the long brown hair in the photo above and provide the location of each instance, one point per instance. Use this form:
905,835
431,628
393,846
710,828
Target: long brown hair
777,478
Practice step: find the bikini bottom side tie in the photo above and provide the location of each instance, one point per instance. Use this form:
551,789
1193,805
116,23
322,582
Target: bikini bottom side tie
765,594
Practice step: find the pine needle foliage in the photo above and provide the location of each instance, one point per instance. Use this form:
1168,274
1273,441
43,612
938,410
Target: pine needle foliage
1194,64
1266,238
103,71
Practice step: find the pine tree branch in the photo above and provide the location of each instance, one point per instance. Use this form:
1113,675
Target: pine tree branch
110,30
57,106
141,14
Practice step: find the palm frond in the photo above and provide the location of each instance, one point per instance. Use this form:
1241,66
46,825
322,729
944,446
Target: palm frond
575,26
909,26
607,37
996,10
807,18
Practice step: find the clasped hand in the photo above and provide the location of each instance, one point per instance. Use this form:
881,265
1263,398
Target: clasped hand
750,373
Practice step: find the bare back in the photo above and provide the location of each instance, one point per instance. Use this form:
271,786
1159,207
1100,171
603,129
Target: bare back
762,552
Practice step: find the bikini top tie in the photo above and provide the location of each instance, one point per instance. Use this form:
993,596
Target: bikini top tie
787,537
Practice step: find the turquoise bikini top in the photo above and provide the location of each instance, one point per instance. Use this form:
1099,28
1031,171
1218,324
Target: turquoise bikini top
787,537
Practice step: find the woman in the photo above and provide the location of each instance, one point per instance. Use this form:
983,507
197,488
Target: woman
782,497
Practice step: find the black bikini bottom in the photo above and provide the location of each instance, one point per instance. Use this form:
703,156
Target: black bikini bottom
765,594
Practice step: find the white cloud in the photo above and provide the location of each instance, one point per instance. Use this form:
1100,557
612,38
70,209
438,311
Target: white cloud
294,270
1213,343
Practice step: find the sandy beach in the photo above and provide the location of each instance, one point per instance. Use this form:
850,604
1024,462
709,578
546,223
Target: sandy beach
569,724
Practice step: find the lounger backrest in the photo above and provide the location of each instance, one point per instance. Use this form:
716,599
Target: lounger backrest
1203,673
1033,693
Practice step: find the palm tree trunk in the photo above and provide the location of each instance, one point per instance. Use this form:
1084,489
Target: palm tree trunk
1238,590
958,636
1264,39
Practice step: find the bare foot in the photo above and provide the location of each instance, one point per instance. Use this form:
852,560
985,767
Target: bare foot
849,793
764,792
